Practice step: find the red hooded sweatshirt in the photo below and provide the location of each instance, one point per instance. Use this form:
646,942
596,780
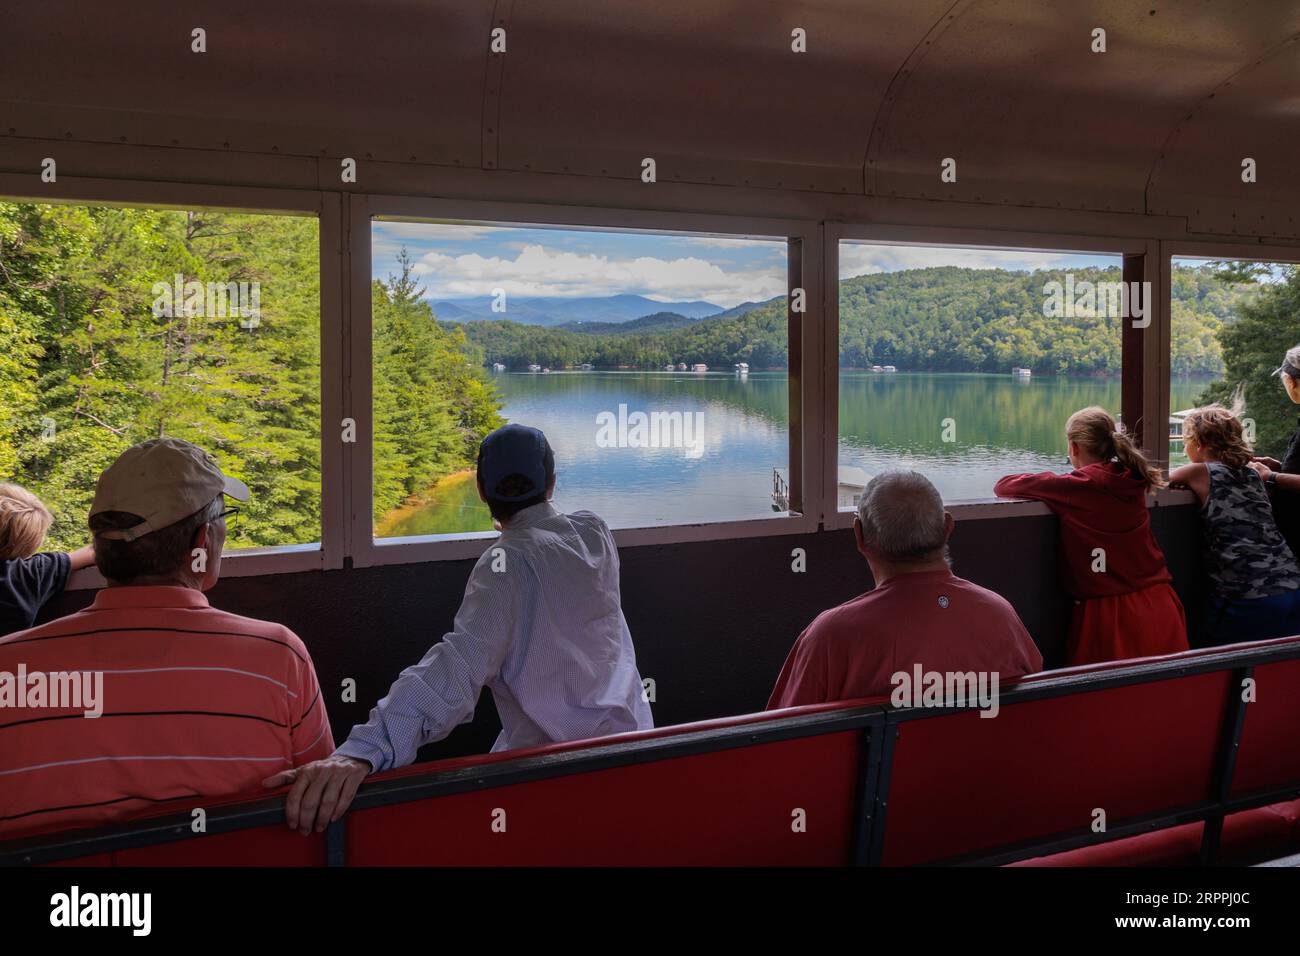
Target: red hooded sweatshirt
1100,506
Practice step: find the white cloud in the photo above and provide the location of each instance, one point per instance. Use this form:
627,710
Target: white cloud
538,271
862,258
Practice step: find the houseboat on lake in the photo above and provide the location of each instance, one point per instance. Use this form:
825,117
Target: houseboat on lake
851,482
699,367
1176,427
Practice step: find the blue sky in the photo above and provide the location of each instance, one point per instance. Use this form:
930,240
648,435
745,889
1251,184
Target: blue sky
457,261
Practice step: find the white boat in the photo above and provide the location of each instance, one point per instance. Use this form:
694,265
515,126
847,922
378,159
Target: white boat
742,368
889,368
877,368
534,368
670,367
587,366
1022,372
699,367
498,367
681,366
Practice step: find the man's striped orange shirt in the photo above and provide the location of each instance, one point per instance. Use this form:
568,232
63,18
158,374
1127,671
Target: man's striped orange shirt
197,704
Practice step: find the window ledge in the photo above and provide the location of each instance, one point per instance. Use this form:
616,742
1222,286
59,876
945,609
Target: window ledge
243,563
971,509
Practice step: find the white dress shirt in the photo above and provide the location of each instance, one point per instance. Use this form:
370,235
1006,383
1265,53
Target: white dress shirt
541,625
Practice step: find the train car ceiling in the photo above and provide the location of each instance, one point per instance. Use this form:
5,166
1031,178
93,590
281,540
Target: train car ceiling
828,100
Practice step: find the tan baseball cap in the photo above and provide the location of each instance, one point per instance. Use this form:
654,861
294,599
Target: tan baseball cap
162,481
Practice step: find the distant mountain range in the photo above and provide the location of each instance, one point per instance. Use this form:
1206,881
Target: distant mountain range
646,325
569,312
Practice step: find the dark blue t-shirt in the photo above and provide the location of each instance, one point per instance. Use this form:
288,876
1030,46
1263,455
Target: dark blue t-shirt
26,584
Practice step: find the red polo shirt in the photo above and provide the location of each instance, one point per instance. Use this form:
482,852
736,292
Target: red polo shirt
931,618
195,703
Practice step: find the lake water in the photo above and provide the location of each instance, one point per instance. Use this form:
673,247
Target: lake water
1000,424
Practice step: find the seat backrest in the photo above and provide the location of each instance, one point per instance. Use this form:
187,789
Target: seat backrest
782,802
959,783
1268,757
772,788
1145,743
271,844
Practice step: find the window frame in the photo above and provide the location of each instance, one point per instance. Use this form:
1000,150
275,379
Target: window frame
344,224
1171,249
959,238
803,237
326,208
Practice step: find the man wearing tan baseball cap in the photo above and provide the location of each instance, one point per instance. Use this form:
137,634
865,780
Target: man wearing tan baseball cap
160,481
203,703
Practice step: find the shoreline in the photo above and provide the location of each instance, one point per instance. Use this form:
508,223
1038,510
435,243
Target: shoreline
418,503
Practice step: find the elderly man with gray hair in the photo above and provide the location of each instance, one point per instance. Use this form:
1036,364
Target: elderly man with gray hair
919,612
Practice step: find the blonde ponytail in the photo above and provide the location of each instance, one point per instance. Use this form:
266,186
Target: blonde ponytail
1093,430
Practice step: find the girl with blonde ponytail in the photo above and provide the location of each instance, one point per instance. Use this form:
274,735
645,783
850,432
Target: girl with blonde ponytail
1110,562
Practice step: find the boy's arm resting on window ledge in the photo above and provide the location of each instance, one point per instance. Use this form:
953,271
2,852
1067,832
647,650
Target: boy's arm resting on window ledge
82,558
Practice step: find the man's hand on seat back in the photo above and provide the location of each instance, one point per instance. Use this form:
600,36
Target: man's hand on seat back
322,791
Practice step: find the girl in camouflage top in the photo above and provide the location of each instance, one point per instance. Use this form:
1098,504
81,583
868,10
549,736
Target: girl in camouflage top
1254,577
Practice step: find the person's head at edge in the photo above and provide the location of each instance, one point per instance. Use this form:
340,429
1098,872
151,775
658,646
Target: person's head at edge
1289,372
157,518
516,470
901,526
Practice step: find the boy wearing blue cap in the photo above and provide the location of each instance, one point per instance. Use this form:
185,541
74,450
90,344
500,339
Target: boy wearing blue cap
541,625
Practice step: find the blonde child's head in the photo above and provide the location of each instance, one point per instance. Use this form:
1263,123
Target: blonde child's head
1096,434
1216,433
24,520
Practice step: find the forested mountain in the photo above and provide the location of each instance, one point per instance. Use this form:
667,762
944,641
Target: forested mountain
943,319
88,366
658,322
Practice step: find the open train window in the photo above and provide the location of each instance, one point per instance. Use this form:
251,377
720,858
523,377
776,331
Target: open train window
124,323
965,362
1231,322
655,362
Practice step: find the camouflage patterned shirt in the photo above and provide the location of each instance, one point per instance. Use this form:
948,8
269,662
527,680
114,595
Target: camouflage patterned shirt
1245,554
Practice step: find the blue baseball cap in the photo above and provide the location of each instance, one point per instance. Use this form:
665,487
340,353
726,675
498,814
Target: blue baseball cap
513,450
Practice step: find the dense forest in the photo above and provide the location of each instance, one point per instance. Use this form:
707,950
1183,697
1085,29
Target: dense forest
90,363
1253,346
943,319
